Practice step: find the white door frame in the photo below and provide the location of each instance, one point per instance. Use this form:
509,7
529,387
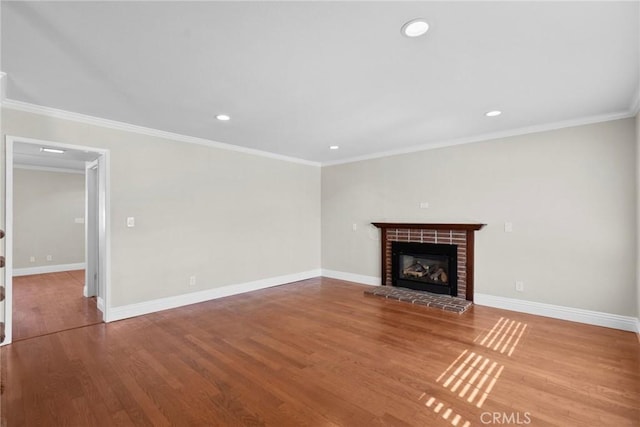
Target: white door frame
91,227
104,232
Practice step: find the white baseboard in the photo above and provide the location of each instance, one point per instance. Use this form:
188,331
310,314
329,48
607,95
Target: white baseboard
138,309
48,269
350,277
100,304
615,321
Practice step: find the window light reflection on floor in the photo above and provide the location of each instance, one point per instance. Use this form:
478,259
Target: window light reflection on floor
473,376
496,333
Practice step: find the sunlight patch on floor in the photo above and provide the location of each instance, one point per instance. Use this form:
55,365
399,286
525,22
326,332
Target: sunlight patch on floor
472,376
445,411
501,339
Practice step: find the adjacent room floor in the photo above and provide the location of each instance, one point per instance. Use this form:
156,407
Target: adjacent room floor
320,353
52,302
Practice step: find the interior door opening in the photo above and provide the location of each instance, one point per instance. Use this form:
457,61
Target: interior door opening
92,164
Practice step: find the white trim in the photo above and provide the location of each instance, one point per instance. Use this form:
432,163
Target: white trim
351,277
488,137
92,227
105,231
55,144
113,124
8,246
141,308
48,169
625,323
43,269
100,304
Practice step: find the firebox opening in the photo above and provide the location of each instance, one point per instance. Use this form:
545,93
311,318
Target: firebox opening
425,266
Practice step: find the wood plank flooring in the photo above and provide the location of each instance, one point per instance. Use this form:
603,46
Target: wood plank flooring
52,302
320,353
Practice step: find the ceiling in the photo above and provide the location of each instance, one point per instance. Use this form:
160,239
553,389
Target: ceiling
298,77
31,155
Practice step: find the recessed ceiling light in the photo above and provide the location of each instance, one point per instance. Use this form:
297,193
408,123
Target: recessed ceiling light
223,117
415,28
52,150
493,113
333,147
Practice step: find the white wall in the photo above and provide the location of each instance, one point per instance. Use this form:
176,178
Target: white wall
45,207
198,207
569,193
224,216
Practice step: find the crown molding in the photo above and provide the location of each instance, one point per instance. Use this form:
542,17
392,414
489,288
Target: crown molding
127,127
488,137
112,124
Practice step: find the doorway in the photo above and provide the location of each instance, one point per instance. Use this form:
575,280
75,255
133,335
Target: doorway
72,289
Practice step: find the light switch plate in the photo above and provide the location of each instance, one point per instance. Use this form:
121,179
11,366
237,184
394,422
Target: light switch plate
131,221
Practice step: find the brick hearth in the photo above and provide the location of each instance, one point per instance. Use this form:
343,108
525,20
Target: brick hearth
443,302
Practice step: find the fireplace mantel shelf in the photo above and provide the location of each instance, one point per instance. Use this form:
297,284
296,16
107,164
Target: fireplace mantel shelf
473,227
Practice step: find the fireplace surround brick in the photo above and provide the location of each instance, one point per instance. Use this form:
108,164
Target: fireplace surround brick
461,235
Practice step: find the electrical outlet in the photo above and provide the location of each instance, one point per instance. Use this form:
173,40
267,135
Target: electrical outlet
519,286
49,258
508,227
354,227
192,281
32,259
424,205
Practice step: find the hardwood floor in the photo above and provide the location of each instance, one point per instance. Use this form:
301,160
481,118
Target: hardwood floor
52,302
320,353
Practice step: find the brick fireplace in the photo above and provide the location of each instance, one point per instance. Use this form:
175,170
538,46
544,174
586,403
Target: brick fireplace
461,235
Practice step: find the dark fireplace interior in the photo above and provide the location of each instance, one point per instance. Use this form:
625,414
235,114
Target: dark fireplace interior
425,267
